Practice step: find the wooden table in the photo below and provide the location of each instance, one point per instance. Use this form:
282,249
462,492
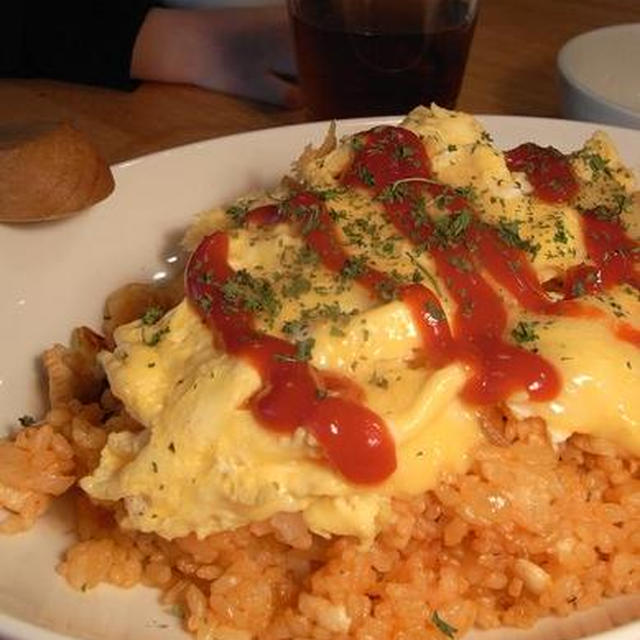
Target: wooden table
511,70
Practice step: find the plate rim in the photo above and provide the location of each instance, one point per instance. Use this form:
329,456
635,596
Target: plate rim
364,120
19,629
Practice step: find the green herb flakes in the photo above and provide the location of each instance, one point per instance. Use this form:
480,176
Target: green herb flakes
353,267
153,339
238,213
366,177
450,228
304,349
443,626
524,332
152,315
378,380
509,234
244,291
296,287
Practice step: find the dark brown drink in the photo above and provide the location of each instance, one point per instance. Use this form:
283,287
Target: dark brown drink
352,66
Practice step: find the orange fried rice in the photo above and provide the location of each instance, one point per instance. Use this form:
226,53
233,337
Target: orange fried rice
531,529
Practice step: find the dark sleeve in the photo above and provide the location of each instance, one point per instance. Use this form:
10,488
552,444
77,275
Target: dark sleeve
88,41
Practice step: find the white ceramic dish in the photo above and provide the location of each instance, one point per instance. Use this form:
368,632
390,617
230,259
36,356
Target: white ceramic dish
55,276
600,76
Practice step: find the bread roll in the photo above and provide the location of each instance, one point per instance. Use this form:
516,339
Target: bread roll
47,171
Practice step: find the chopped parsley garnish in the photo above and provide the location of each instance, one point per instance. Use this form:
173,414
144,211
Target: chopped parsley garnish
443,626
152,315
327,194
332,312
450,228
307,255
353,267
403,151
378,380
395,192
622,201
296,287
486,137
205,302
153,339
26,420
308,214
244,291
238,213
365,175
294,327
524,332
460,263
560,234
357,143
304,349
311,216
509,234
425,272
386,248
468,192
336,215
597,163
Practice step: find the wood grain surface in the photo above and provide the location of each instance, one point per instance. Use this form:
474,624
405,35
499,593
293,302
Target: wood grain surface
511,70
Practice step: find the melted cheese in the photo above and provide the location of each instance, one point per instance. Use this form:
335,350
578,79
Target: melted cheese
600,379
204,465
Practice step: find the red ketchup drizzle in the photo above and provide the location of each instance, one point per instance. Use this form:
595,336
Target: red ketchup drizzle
615,257
293,394
628,333
511,268
548,171
614,254
500,368
424,305
354,439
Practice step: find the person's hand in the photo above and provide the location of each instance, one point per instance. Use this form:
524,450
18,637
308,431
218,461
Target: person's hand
243,51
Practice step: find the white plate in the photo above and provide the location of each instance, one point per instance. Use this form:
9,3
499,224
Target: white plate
55,276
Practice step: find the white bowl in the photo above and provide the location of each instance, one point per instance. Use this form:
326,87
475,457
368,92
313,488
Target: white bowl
600,76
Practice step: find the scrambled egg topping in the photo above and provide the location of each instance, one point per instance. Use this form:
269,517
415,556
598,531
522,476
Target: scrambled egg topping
204,465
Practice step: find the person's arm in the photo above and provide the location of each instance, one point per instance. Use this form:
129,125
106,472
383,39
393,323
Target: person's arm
89,41
243,51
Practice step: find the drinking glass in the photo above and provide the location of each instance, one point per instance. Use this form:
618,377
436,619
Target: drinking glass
374,57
